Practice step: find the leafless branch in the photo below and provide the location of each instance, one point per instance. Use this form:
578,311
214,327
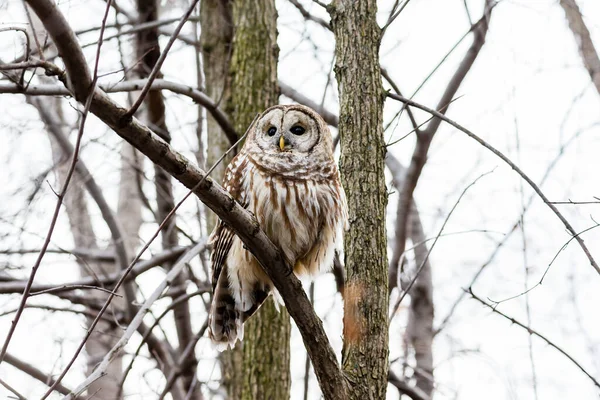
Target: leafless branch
35,373
12,390
424,261
534,333
419,157
513,166
159,62
137,320
135,85
404,388
309,17
140,268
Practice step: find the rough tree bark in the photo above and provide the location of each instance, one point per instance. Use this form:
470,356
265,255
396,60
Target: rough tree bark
216,21
148,52
588,52
365,351
253,75
215,40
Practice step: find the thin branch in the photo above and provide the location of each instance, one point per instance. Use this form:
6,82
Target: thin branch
419,157
183,361
137,320
309,17
534,333
140,268
404,388
135,85
394,14
159,62
424,262
35,373
12,390
513,166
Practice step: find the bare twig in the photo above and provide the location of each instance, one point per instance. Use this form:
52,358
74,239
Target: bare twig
404,388
513,166
34,372
394,14
12,390
140,268
137,320
507,236
184,358
534,333
159,62
419,157
420,268
309,17
135,85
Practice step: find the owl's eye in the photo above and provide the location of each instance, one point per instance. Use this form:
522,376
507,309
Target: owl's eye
272,131
297,130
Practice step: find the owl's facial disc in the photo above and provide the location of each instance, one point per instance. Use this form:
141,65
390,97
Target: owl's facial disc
289,131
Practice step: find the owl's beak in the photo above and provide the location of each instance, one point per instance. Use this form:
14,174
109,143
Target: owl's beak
281,143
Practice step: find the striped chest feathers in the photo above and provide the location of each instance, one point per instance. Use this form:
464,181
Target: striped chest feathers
290,211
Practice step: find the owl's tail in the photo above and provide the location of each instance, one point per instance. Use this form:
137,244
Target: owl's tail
227,316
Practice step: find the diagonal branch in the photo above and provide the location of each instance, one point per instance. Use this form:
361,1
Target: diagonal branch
518,170
214,196
419,157
34,372
534,333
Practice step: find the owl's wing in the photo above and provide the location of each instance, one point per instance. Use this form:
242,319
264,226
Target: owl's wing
222,236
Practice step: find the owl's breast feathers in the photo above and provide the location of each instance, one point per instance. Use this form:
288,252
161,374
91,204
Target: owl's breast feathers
303,213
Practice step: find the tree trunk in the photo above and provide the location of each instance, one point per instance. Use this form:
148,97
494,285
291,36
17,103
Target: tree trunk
365,350
216,36
419,329
216,21
253,74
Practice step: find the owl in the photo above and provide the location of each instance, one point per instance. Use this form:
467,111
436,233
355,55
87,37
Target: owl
285,174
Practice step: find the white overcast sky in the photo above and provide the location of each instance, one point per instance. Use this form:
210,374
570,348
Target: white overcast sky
527,95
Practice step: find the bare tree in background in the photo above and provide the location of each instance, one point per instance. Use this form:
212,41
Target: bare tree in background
143,301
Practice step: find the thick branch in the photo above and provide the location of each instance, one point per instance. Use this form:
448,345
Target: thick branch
208,191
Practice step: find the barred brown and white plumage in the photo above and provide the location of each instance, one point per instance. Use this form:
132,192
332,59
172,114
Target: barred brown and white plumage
287,176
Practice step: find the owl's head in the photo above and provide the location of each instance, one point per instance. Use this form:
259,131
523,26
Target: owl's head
295,129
